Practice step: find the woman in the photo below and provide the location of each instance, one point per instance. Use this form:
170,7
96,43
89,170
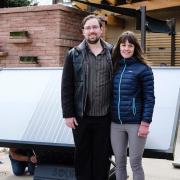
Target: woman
132,106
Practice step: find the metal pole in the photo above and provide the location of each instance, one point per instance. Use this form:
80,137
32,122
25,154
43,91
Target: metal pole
54,1
143,28
173,41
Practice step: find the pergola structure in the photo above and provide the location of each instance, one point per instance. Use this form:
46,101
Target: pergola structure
131,4
150,4
143,22
134,4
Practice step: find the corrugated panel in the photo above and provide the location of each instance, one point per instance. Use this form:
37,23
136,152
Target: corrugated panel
30,109
30,101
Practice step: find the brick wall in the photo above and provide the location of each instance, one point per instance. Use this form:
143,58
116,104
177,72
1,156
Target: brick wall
52,31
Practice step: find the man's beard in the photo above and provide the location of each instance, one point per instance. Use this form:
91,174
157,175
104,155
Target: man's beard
94,41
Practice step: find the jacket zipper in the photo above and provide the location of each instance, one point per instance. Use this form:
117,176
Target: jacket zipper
119,116
134,106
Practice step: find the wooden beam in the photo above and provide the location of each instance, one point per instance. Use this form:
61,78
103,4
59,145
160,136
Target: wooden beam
113,2
128,1
95,1
114,20
81,6
153,4
103,12
84,7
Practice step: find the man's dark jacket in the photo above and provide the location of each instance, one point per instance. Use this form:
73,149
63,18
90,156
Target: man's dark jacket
74,85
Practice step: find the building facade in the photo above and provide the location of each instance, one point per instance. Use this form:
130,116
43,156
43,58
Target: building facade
38,36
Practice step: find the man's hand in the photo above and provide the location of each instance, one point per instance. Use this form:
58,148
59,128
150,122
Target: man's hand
143,129
33,159
71,122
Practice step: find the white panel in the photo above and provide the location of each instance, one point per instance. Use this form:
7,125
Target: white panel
163,127
30,107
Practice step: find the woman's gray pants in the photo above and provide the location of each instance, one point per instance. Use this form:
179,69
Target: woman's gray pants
123,135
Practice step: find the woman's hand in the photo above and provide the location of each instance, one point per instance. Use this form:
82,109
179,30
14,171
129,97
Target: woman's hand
143,129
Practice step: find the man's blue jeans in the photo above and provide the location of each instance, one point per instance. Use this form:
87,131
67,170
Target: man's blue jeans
19,167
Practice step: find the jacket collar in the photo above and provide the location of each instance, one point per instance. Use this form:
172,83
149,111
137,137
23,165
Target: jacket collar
128,61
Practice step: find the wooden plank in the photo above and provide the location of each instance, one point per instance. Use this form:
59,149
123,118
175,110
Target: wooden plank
115,21
158,55
153,4
159,49
80,6
113,2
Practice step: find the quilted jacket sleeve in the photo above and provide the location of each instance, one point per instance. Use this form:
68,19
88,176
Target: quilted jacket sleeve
147,79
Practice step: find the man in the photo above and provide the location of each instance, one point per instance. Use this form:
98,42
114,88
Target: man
20,159
86,92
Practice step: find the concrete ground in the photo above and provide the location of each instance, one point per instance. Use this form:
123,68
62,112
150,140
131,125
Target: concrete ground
155,169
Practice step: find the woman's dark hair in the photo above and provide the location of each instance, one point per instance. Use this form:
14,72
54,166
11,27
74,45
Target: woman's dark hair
131,38
91,16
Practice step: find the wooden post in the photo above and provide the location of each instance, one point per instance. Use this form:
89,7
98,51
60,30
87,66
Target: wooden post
54,1
173,41
143,28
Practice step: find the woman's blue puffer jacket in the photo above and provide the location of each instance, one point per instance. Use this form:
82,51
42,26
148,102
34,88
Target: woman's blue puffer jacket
133,93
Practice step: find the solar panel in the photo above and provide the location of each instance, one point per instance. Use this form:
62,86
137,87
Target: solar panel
30,110
30,107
